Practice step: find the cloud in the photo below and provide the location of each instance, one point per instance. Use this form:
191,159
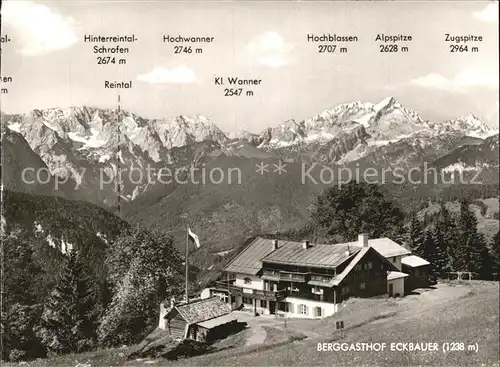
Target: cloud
178,75
465,79
39,28
270,49
488,14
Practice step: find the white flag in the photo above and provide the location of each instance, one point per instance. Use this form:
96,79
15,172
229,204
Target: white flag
194,238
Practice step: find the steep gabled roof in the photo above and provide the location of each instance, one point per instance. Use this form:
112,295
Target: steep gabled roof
364,250
203,310
316,255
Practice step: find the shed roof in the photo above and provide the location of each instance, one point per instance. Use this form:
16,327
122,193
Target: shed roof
221,320
391,275
203,310
414,261
316,255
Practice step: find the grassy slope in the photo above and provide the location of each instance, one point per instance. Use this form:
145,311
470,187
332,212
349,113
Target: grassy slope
450,313
465,314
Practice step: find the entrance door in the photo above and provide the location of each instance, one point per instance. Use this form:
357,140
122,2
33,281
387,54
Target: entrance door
272,307
391,290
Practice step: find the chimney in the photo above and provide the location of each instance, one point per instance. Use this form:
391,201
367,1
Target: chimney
363,239
305,244
162,324
348,251
275,244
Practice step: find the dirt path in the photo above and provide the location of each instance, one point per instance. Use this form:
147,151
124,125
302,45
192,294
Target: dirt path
257,336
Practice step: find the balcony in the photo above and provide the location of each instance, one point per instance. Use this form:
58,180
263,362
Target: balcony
285,276
321,278
250,292
310,296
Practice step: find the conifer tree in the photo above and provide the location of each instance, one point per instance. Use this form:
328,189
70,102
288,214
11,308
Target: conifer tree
472,253
415,235
441,260
428,251
495,253
68,322
443,237
485,262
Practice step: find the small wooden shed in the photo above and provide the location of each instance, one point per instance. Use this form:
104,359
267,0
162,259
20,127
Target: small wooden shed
418,269
202,320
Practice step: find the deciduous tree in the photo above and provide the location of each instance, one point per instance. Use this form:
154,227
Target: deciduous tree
356,208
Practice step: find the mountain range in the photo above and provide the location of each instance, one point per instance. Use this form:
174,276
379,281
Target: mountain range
86,148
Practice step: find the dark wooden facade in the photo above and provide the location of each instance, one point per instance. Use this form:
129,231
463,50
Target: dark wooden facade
176,325
200,319
418,277
368,278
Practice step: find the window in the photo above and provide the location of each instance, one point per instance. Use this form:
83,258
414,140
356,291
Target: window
394,259
345,289
370,265
247,301
303,309
358,267
289,307
263,303
316,289
247,280
362,285
317,311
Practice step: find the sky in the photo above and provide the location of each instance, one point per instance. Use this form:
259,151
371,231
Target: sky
52,66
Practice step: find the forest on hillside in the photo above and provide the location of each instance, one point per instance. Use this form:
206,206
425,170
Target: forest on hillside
107,290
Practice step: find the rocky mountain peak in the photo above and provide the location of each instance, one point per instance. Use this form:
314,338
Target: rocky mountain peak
470,124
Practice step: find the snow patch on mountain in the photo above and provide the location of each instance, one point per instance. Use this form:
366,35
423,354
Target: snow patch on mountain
104,158
463,167
470,125
16,126
385,121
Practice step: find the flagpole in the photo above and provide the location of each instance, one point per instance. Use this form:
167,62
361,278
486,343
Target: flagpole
186,261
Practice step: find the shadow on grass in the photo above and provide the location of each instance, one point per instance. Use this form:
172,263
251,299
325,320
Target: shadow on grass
413,293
